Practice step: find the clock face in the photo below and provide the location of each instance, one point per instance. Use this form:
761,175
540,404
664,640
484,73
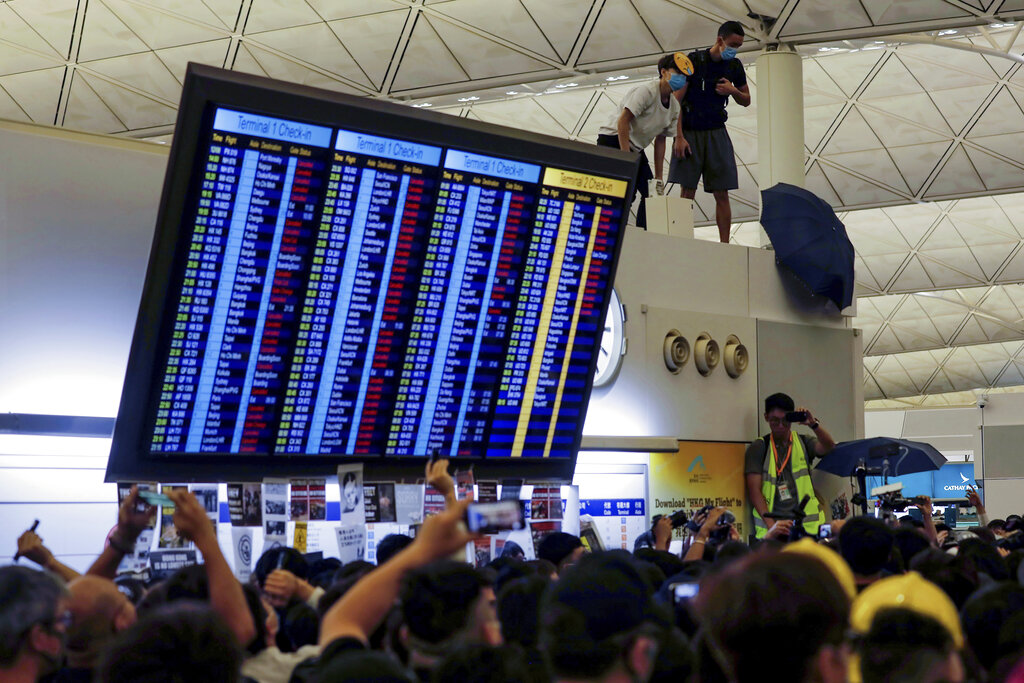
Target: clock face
613,342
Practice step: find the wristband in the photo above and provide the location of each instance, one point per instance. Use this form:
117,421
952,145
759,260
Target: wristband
120,548
698,540
816,424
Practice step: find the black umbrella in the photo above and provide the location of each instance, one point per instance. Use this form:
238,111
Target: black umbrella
904,457
810,240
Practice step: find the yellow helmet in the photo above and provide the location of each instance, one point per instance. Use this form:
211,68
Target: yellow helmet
830,558
910,591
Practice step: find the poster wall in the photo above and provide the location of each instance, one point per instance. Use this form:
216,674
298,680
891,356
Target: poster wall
700,473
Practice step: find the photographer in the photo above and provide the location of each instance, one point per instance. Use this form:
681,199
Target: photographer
712,529
778,468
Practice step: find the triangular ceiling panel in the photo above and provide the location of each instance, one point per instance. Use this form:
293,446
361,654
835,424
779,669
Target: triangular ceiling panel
332,10
426,60
972,333
272,15
957,175
560,21
86,111
852,135
943,236
227,12
105,36
958,106
9,109
992,257
245,62
527,115
913,278
618,30
175,23
567,107
819,88
283,69
25,50
850,71
817,183
371,40
896,11
508,19
892,79
603,112
1014,270
1002,115
884,267
1013,206
135,111
481,57
885,342
144,72
967,273
811,16
176,59
856,191
996,173
53,20
817,121
37,92
917,162
916,109
1013,375
875,164
676,30
316,45
1008,144
913,221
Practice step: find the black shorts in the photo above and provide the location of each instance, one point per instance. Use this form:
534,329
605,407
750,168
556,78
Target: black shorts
711,156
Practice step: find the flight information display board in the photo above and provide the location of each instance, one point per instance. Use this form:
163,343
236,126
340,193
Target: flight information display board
339,290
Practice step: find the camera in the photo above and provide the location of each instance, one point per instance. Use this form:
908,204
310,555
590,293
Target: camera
683,592
721,531
796,416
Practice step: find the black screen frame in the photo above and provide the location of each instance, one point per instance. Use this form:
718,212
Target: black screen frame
206,87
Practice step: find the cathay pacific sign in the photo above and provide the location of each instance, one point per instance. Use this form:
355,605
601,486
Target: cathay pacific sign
951,481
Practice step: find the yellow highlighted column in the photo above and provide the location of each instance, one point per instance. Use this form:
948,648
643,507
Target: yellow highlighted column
572,329
543,327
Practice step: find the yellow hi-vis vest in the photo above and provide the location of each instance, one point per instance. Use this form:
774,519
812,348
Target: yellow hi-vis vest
802,475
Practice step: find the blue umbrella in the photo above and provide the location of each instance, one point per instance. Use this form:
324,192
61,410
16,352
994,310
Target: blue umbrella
810,240
905,457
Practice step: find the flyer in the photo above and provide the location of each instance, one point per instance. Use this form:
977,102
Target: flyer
275,513
206,494
463,483
409,503
351,542
353,506
380,502
317,489
169,537
124,489
300,536
163,563
300,500
245,504
241,539
486,491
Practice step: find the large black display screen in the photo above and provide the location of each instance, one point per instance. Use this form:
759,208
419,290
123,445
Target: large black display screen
340,277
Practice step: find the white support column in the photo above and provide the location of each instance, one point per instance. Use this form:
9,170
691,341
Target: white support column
780,121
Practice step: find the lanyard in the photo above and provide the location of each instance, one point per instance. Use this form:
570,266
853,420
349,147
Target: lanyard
775,454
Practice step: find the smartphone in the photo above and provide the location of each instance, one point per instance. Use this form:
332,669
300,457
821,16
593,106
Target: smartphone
683,592
825,531
796,416
490,518
153,498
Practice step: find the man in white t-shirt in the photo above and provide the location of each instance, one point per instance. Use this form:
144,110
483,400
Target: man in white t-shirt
648,113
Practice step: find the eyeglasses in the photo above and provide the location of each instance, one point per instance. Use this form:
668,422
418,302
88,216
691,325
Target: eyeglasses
777,420
64,619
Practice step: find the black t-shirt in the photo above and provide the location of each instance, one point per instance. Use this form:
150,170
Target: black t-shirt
703,108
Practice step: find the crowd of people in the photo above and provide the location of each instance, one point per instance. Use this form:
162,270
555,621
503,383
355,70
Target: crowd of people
874,602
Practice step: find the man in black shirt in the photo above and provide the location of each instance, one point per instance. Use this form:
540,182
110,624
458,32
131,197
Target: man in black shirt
702,146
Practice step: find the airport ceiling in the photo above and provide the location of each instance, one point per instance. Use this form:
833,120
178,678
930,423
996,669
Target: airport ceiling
914,121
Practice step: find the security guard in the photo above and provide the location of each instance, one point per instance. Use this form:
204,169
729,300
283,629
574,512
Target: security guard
778,467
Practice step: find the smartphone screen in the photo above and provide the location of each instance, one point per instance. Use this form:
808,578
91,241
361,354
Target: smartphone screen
682,592
153,498
824,531
490,518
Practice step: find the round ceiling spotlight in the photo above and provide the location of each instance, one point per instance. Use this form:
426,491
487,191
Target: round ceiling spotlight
735,358
676,350
705,354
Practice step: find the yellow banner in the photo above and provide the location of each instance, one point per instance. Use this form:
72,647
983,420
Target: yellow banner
584,182
699,474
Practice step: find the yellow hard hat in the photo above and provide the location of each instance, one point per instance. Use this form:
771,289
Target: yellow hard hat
830,558
910,591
